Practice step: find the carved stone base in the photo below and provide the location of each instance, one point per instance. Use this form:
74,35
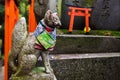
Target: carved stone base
41,76
35,75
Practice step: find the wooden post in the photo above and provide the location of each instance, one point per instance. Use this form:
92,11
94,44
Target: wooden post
32,21
11,16
86,20
71,19
6,48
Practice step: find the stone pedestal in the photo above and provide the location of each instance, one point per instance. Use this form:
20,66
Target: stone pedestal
40,76
36,74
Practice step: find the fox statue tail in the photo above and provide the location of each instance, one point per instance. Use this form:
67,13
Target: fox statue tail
19,36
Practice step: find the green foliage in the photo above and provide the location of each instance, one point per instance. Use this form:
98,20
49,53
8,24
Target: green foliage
39,69
59,7
2,9
94,32
1,31
89,3
23,8
23,1
2,57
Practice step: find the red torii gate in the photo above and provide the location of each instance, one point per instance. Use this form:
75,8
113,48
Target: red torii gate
75,11
11,17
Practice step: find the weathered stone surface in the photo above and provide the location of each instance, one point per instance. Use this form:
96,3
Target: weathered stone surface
34,76
87,69
86,44
19,35
40,8
38,73
106,15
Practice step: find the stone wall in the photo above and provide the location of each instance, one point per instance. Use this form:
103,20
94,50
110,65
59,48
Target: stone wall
105,15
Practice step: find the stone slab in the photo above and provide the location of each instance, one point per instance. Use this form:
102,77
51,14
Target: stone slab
105,15
87,69
67,44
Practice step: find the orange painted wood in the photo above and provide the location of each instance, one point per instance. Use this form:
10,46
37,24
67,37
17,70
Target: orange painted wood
11,17
79,12
32,21
87,20
71,20
6,42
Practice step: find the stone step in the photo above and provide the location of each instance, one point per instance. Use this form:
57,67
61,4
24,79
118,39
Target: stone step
86,66
68,44
89,67
82,56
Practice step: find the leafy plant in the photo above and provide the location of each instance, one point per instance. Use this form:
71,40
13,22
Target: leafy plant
23,8
89,3
2,9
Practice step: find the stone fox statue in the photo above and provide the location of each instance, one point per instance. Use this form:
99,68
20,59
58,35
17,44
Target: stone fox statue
26,49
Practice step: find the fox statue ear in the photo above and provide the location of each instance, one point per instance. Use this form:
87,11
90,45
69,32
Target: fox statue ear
48,15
